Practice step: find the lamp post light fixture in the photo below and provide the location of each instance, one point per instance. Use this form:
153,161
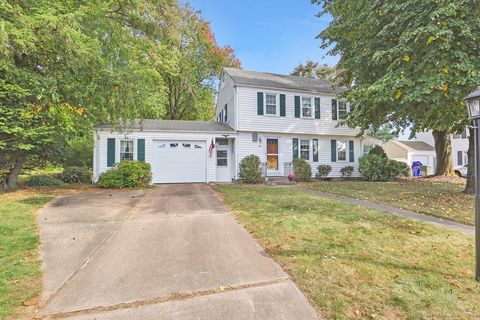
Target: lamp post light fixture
473,104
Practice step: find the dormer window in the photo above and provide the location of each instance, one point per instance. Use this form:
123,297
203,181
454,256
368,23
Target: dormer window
306,107
271,104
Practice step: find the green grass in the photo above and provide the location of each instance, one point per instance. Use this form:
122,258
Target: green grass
440,199
20,275
356,263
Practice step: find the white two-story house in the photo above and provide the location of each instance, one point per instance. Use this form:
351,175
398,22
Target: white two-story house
276,117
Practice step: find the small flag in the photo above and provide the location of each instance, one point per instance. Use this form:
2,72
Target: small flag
210,149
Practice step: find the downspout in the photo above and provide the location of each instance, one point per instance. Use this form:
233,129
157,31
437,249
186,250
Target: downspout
235,102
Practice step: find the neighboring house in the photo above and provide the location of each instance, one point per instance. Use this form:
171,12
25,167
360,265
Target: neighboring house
459,149
276,117
410,151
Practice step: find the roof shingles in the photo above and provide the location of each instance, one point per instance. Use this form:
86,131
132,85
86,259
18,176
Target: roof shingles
175,125
280,81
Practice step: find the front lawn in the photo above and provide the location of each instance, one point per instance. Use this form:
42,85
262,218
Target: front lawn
356,263
20,275
443,199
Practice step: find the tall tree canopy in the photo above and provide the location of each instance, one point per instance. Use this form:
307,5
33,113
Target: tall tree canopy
68,65
311,69
191,87
412,63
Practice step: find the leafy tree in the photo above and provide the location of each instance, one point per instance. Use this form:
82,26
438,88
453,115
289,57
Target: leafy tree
313,69
384,133
199,61
412,63
65,65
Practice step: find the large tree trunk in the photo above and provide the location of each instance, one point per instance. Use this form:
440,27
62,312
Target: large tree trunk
443,150
12,177
470,186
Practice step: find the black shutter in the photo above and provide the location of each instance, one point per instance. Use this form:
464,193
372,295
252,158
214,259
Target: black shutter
297,106
315,150
334,109
283,110
333,144
226,113
110,152
295,148
459,158
317,108
260,103
351,152
141,150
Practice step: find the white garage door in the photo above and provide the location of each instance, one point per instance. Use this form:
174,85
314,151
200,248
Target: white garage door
179,161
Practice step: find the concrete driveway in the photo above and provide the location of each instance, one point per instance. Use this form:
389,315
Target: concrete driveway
173,252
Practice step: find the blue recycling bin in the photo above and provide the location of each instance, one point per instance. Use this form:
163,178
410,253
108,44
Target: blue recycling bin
417,168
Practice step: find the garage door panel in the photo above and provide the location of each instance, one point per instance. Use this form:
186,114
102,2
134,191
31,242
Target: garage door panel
179,161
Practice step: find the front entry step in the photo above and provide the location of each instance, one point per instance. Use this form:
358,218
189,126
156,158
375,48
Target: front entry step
278,181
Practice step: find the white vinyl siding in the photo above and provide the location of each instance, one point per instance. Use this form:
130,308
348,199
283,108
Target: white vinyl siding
226,96
245,147
249,120
101,137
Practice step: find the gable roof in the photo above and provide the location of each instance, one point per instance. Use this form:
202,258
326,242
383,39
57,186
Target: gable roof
174,125
280,81
416,145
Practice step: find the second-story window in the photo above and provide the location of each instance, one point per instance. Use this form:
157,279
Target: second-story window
342,110
306,107
271,104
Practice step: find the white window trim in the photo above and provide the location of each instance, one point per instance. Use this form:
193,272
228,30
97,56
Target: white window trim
312,107
346,151
309,149
277,104
134,149
338,109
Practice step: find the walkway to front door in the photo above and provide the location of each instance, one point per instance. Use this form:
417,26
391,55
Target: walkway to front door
173,252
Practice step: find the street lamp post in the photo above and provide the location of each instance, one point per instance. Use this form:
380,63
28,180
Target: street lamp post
473,103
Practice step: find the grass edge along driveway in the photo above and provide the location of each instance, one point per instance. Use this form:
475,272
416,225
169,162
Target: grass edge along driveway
356,263
20,273
440,199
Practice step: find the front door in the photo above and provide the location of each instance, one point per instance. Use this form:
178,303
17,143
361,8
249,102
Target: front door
223,155
272,157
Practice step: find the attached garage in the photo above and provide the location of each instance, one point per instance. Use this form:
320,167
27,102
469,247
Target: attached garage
178,151
179,161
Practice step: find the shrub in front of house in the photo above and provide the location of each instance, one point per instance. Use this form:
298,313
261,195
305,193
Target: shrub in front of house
302,170
347,171
250,169
375,167
378,151
126,174
399,169
323,171
76,175
44,181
